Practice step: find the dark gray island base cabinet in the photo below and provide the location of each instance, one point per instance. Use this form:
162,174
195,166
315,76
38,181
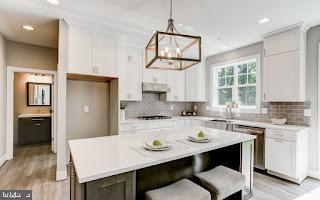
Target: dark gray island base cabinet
133,185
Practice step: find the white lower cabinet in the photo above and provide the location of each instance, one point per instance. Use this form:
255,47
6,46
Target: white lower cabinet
196,122
142,127
287,154
182,123
280,156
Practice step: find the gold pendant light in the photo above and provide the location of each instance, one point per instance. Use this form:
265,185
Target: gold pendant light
171,50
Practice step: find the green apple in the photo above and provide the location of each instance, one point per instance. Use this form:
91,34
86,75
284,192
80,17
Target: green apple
156,143
201,134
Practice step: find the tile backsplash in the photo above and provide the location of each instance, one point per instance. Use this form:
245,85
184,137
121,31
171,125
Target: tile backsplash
151,105
293,111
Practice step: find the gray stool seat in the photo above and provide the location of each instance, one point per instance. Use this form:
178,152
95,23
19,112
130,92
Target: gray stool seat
222,182
181,190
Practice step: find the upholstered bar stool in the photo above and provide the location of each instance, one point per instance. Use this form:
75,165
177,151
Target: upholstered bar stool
221,182
181,190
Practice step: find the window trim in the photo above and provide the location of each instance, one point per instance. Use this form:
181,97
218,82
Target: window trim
213,85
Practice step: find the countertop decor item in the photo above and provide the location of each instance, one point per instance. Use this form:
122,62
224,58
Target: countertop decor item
171,50
278,121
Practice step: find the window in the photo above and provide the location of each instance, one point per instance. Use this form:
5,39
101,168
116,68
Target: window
236,81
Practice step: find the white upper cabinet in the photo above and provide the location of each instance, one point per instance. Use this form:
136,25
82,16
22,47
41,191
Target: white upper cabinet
80,51
196,83
284,70
91,53
176,83
130,75
282,42
154,76
105,54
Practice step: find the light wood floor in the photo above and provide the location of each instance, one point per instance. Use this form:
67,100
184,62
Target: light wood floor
33,167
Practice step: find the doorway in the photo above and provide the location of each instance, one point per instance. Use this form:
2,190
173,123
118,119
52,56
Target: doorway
31,118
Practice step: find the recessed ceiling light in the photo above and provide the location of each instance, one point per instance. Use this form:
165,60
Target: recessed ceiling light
28,27
224,47
264,20
53,2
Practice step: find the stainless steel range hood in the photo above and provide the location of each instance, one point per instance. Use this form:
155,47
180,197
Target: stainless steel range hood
155,88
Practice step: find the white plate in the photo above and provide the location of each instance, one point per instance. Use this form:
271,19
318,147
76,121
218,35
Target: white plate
156,149
164,145
195,137
200,141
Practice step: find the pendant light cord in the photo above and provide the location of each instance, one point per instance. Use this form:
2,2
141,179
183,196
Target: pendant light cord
170,9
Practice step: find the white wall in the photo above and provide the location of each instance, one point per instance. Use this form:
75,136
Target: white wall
2,99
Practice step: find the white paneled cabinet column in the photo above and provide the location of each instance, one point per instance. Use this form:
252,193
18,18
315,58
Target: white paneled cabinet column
196,83
130,73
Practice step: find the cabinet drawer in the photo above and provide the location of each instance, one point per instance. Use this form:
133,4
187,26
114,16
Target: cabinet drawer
163,124
133,127
133,132
281,134
196,122
179,123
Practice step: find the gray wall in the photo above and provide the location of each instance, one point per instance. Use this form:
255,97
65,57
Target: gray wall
95,123
313,40
151,105
2,97
31,56
250,50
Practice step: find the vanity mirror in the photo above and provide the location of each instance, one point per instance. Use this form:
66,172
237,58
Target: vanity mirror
38,94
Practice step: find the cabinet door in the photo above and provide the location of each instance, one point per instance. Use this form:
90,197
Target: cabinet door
280,156
195,83
105,55
281,80
282,42
176,83
160,76
154,76
148,75
80,51
133,80
130,74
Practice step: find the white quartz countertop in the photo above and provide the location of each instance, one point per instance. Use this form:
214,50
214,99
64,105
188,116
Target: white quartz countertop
238,122
34,115
100,157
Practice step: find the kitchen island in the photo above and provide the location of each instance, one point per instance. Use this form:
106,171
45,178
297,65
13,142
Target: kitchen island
118,167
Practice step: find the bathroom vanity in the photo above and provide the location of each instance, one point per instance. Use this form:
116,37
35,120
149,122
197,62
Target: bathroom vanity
34,128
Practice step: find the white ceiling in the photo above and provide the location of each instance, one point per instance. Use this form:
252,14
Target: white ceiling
235,22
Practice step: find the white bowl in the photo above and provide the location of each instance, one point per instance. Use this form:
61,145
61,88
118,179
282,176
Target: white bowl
278,121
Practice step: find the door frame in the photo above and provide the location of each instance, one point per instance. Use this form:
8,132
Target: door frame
10,105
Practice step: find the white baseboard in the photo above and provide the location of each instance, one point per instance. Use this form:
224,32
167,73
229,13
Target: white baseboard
61,175
314,174
3,159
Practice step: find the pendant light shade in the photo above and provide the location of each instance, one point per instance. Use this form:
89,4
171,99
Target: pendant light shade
171,50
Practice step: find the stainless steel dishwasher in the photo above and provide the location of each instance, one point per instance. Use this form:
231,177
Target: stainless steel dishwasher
259,161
